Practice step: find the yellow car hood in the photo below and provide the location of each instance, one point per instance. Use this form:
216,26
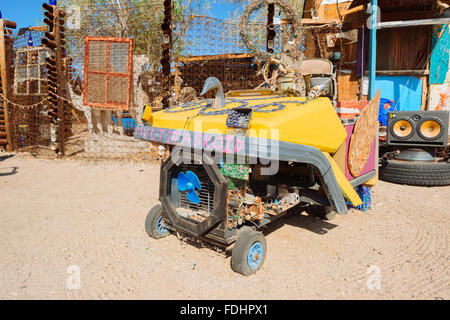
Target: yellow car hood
288,119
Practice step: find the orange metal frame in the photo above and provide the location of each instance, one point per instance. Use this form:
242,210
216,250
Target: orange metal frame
107,104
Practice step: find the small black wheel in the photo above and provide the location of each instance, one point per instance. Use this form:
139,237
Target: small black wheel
324,213
155,224
249,252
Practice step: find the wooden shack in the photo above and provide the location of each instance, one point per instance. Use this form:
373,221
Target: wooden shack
412,50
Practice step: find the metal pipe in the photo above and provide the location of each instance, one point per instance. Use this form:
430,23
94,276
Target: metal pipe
413,23
373,49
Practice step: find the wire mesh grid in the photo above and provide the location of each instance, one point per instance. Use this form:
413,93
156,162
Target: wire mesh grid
108,72
211,36
140,21
30,71
23,37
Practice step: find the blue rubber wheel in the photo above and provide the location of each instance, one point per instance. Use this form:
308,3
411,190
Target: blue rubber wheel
155,225
249,252
160,226
255,255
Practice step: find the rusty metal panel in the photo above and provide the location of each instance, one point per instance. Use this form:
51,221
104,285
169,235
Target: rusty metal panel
108,72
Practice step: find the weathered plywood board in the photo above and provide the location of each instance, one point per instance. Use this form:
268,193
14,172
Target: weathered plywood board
363,135
332,10
439,98
348,87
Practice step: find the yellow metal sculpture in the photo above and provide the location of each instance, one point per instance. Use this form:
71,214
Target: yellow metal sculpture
314,123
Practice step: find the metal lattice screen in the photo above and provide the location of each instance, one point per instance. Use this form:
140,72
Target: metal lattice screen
28,117
30,72
108,70
235,71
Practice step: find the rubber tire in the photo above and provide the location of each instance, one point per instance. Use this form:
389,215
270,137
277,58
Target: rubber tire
239,256
425,174
151,222
324,213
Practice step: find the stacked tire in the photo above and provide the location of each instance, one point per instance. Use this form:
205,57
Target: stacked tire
415,173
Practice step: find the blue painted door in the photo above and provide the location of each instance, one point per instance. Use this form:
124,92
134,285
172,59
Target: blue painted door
405,91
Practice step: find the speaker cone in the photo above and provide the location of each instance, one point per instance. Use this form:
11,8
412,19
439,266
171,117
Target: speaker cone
430,129
403,129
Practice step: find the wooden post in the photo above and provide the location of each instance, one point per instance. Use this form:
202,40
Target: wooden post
270,28
3,71
166,47
176,85
426,78
60,80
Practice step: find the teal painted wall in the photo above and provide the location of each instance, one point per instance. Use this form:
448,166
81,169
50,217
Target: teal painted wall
440,56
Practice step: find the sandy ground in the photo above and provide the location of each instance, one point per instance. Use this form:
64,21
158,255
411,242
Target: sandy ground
63,213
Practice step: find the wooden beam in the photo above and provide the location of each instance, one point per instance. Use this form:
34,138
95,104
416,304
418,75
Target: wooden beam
356,17
401,72
3,73
216,57
320,21
38,28
425,85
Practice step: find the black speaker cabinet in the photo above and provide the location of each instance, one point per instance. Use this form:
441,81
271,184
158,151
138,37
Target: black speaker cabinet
418,128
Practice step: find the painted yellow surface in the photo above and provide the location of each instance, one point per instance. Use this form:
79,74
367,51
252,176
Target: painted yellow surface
372,182
147,114
346,187
313,123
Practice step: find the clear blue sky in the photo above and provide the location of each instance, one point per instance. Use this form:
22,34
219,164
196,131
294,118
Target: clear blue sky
27,12
222,10
24,12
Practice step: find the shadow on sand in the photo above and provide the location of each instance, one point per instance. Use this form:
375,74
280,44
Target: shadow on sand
3,158
13,170
299,218
296,217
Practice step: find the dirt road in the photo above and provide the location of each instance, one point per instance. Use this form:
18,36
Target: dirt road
63,218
